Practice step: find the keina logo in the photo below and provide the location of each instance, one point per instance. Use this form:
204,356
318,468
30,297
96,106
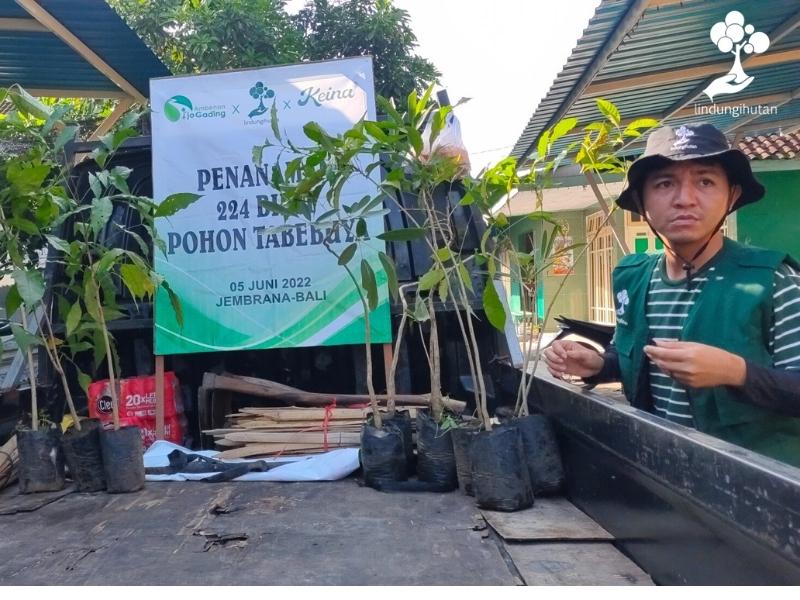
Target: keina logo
733,36
176,107
260,92
318,96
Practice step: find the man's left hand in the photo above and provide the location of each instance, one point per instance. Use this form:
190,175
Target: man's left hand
697,365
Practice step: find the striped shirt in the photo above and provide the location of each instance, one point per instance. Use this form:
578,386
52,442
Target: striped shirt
668,306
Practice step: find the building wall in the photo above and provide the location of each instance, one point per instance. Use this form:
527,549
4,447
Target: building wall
774,221
571,300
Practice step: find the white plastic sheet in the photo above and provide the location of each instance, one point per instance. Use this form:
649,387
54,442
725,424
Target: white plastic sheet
330,466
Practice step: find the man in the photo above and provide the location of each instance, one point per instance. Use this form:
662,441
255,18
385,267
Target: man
708,334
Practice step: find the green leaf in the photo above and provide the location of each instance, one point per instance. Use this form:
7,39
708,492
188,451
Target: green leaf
101,213
136,280
376,131
90,299
120,135
273,118
175,203
73,317
391,274
387,106
66,135
13,301
25,225
25,177
430,279
84,380
493,307
24,339
347,254
27,104
107,259
609,110
444,287
361,228
415,137
175,302
544,143
275,207
118,176
369,284
316,133
563,127
421,313
412,105
30,285
402,235
444,254
464,274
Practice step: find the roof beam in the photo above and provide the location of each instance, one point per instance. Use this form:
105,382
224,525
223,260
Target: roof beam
54,25
755,125
71,93
111,120
688,74
750,118
14,24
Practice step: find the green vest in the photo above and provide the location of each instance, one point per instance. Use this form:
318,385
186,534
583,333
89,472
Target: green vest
732,313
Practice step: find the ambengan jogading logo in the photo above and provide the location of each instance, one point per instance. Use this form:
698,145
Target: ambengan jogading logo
734,36
180,108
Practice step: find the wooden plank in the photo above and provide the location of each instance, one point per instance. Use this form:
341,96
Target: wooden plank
17,24
264,449
264,388
548,519
159,397
575,563
317,438
111,120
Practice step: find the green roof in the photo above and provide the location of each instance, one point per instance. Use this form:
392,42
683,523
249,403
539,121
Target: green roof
654,58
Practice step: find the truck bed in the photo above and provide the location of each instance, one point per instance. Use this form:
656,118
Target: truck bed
332,533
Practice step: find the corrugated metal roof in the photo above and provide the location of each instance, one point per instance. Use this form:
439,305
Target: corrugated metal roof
41,60
633,38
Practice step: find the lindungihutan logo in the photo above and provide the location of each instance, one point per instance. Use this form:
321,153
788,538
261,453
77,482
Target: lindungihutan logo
260,92
734,36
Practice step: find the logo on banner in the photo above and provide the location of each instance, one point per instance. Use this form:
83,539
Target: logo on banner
318,96
180,108
176,107
733,36
260,92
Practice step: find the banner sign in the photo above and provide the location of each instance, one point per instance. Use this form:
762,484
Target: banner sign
244,281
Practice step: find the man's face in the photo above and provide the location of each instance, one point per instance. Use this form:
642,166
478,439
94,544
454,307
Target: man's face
685,201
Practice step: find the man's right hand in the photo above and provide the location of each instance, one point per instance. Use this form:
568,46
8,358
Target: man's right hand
564,357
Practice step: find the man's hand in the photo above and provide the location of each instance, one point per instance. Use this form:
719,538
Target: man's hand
697,365
564,357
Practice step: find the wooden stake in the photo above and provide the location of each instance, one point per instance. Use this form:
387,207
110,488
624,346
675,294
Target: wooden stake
387,361
159,397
